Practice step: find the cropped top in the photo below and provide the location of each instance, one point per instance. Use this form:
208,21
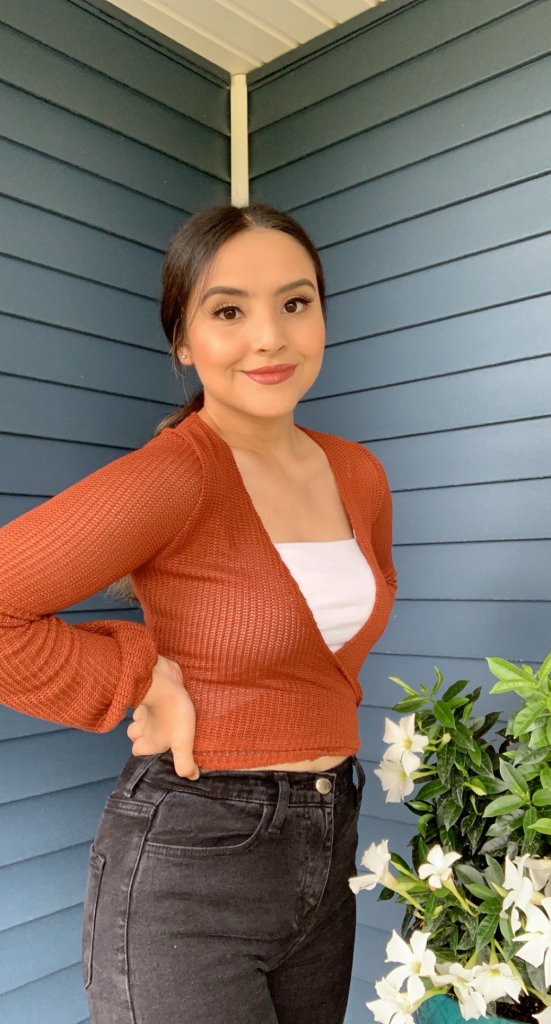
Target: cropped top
336,581
216,596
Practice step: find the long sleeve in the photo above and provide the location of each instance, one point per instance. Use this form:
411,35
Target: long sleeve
381,535
68,548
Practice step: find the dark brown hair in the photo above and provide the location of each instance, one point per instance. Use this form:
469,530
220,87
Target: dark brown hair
190,254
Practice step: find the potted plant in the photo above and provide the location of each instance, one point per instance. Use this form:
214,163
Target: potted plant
476,935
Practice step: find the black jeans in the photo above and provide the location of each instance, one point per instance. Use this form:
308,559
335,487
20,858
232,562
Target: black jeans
224,900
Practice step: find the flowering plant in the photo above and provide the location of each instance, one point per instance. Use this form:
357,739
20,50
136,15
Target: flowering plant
477,923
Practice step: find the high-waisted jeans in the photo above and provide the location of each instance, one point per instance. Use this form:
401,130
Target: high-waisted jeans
224,900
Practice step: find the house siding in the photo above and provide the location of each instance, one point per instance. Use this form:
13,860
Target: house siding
109,139
414,145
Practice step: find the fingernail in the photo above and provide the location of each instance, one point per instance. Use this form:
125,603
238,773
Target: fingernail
195,777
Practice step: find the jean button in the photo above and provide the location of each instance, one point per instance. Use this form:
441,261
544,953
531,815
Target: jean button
324,785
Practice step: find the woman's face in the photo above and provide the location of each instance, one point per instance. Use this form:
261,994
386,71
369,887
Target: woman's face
258,306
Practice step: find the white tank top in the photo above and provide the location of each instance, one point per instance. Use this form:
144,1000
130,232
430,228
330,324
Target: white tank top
337,583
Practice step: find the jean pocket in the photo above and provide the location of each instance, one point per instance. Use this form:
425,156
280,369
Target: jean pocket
96,865
194,824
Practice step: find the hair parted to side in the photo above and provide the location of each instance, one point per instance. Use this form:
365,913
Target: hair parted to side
190,254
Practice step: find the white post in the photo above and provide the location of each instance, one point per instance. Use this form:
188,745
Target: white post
239,141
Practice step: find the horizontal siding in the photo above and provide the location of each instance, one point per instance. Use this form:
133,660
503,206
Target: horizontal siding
57,998
49,354
35,68
507,42
416,153
486,109
37,125
84,36
372,45
55,940
67,758
469,341
50,822
109,141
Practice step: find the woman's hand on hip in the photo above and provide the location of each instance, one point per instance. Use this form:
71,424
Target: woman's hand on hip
165,720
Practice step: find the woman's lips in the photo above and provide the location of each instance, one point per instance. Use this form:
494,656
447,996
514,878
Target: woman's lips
271,376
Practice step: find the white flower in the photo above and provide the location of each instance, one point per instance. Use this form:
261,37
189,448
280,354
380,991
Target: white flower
520,890
392,1007
404,741
396,779
540,873
537,938
377,859
494,981
417,960
471,1002
544,1017
437,867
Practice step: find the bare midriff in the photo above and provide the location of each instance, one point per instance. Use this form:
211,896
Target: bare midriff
319,764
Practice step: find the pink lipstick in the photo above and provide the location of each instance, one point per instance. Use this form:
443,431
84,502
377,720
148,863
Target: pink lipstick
271,374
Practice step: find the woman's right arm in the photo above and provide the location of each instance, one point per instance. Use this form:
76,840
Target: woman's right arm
96,531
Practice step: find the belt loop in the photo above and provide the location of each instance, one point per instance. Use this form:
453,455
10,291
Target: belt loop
282,803
138,773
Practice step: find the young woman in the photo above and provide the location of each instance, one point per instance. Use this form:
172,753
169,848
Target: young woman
260,552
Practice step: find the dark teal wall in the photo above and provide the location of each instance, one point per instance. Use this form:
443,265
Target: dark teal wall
108,141
414,144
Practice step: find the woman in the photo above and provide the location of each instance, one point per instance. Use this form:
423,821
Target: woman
260,552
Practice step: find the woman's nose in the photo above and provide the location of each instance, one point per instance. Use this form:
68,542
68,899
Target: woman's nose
267,333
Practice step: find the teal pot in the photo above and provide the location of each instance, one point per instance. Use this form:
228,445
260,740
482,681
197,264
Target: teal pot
443,1010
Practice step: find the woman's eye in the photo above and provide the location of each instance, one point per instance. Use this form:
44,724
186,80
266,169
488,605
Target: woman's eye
301,299
220,312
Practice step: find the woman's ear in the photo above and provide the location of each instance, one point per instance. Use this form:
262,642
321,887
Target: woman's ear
184,356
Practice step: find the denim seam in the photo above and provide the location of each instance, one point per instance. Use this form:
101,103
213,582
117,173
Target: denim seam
127,921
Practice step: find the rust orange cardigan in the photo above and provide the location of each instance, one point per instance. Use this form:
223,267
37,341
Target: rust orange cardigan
216,596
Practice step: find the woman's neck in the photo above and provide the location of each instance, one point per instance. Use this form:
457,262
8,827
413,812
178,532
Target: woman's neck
276,437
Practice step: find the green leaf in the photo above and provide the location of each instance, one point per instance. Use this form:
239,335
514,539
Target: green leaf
542,825
539,738
468,873
548,730
439,681
529,818
448,812
405,686
431,789
502,805
486,723
456,786
454,689
494,872
542,798
443,714
503,669
506,930
409,704
488,783
514,780
545,668
486,931
385,894
526,717
463,737
482,892
545,777
399,862
444,762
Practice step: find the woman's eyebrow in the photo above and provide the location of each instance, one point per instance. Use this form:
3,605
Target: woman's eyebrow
226,290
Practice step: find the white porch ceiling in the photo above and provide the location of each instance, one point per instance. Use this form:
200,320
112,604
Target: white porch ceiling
245,35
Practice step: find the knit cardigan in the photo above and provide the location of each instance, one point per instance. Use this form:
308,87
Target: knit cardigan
216,596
